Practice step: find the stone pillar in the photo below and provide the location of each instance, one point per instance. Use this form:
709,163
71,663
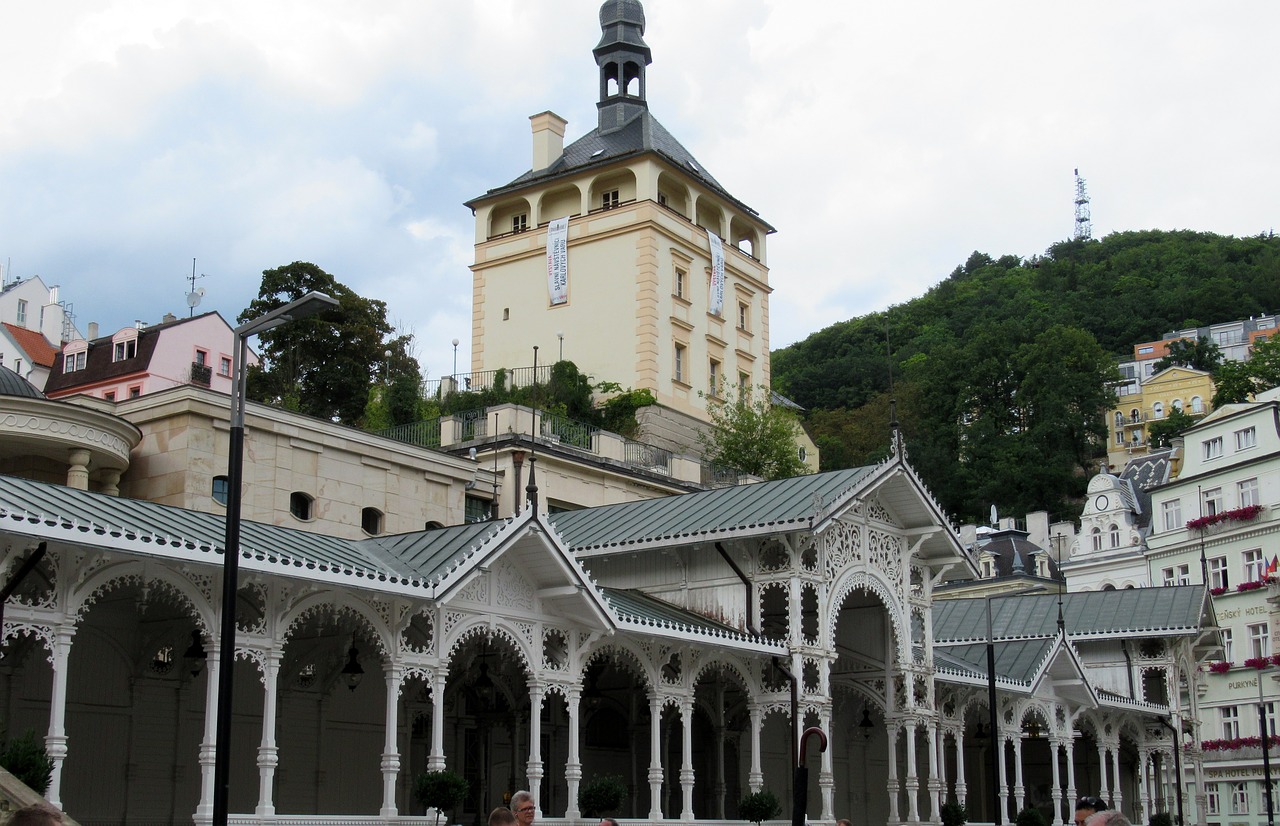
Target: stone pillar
962,786
56,741
1102,771
655,756
204,809
110,481
268,754
755,780
686,759
435,760
77,471
1071,778
1144,779
535,742
1117,791
573,768
390,751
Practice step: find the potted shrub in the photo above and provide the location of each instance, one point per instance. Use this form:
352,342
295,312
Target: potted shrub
440,790
953,814
602,795
1161,819
1030,817
759,806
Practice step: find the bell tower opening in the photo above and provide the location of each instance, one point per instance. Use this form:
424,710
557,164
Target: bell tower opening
622,56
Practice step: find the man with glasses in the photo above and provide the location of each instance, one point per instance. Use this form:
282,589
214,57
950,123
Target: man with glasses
1088,806
524,807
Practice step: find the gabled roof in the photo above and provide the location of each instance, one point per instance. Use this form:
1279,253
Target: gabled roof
1044,668
1135,612
38,349
597,148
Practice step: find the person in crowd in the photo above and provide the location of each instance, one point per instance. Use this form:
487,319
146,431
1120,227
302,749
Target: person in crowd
39,814
1088,806
502,816
522,803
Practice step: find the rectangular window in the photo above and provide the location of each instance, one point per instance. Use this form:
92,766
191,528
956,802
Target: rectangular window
609,200
224,366
22,311
662,199
1212,800
202,357
1143,351
681,276
1228,645
680,359
1212,447
125,350
476,509
1246,438
744,316
1247,493
72,362
110,395
1172,513
1177,575
743,382
1212,501
1254,567
1119,437
519,223
1240,798
1259,640
713,379
1230,722
1271,719
1218,577
135,391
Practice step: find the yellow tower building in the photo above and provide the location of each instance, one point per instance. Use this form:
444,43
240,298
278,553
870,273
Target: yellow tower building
621,251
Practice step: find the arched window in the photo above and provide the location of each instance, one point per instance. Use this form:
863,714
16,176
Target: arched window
220,488
300,505
1119,419
1197,405
1097,539
1176,404
1157,410
371,521
1115,535
1135,416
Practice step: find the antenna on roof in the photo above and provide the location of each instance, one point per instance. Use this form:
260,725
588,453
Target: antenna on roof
1084,223
196,293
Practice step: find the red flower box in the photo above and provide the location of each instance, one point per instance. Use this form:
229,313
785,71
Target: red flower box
1219,667
1245,514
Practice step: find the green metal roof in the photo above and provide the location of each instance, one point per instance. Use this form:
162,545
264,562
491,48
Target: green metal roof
1017,661
1136,612
797,502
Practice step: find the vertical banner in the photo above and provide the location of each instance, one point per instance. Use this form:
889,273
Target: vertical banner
558,260
717,273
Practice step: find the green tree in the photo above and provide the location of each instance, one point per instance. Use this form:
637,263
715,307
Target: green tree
325,365
759,806
752,435
1201,354
1232,383
440,790
1160,433
1264,363
602,795
26,759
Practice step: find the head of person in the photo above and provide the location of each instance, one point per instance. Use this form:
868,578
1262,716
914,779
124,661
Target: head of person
844,822
608,821
502,816
41,814
1108,817
1087,806
523,805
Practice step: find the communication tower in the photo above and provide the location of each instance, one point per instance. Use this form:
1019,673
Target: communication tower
1084,226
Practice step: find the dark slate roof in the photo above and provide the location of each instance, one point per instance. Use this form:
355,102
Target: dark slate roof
11,384
1017,661
1013,553
1142,473
711,514
1135,612
643,134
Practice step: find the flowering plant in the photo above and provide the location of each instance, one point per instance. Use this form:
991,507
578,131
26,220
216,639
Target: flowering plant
1219,667
1251,586
1217,592
1238,743
1245,514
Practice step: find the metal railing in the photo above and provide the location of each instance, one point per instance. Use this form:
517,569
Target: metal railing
648,457
569,431
720,476
484,380
422,434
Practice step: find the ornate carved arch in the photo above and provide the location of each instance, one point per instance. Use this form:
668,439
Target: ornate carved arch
340,602
877,584
489,627
196,597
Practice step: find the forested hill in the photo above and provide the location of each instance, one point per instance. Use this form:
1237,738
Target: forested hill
1000,369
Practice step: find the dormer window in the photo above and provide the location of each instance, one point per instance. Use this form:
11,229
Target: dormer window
71,362
125,349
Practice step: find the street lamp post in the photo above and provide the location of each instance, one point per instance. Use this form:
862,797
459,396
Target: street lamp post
455,361
560,335
993,718
1266,753
308,305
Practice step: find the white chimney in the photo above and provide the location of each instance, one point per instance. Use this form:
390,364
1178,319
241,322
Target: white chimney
548,139
93,330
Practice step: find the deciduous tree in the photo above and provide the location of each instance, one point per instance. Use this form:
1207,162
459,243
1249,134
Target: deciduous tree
752,435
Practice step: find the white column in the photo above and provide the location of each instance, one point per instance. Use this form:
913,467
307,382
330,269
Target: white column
892,731
204,810
390,752
435,760
1019,789
268,754
755,780
686,754
56,741
535,742
1102,771
998,742
573,768
1071,777
1118,791
913,780
77,474
1055,748
655,757
962,787
935,780
718,792
827,777
1144,780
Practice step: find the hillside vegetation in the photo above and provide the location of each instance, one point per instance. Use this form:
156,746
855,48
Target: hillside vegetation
1001,370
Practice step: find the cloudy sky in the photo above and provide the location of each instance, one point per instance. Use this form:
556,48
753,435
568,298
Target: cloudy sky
886,141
